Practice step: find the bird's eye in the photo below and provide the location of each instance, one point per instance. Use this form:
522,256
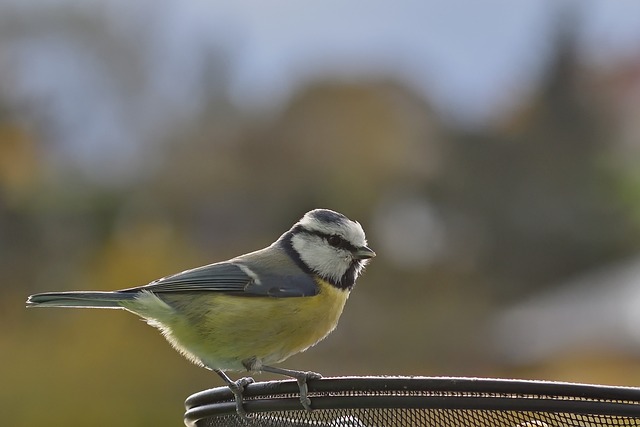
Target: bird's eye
334,241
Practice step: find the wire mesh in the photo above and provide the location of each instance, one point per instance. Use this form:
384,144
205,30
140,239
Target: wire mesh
419,401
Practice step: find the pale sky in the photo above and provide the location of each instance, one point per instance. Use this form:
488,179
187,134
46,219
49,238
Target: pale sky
470,60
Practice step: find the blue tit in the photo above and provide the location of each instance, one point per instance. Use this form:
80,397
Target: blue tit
254,310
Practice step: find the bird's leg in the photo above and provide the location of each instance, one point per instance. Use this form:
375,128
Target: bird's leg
301,377
237,388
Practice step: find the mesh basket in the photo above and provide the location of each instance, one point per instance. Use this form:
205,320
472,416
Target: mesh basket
420,401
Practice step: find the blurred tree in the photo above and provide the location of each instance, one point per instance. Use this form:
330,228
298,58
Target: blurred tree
536,192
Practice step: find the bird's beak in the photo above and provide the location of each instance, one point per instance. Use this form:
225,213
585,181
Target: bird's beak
363,253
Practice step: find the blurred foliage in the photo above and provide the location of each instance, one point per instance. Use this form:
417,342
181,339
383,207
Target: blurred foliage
541,191
523,203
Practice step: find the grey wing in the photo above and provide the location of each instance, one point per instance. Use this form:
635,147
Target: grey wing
233,278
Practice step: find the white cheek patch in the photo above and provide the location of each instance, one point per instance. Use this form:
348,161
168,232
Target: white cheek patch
323,259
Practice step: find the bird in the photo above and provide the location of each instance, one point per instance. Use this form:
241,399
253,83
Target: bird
252,311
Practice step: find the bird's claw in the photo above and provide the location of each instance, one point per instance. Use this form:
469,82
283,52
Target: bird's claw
304,389
237,388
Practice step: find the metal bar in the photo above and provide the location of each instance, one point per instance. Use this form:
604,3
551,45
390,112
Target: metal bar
392,392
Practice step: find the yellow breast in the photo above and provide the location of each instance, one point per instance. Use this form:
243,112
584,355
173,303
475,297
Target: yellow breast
220,331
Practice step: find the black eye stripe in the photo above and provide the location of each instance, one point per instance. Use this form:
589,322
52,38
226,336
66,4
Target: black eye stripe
336,241
339,242
344,244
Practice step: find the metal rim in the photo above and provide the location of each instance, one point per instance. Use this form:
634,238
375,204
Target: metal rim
466,393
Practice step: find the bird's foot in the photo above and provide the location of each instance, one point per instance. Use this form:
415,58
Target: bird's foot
237,388
304,389
301,378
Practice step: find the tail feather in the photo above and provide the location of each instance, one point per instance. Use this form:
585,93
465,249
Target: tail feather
80,299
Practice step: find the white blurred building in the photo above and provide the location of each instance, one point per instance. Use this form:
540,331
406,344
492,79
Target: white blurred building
599,311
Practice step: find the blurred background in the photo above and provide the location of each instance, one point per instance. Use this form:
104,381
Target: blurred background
490,151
